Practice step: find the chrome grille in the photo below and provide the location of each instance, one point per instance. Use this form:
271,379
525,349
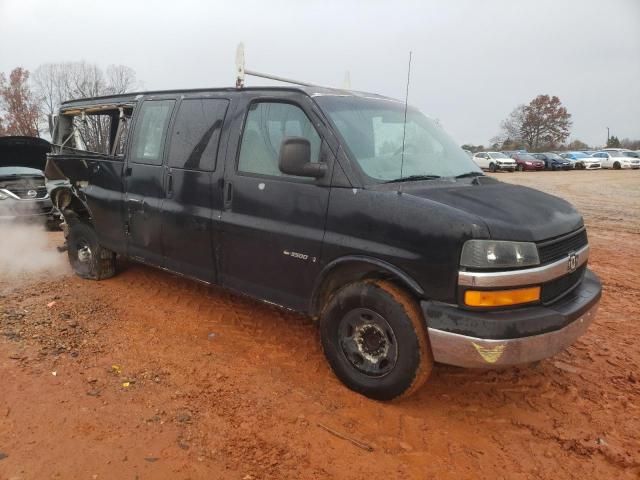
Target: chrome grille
23,193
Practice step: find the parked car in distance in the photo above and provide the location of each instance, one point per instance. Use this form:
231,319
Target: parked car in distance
404,256
582,161
553,161
526,161
23,195
617,159
494,161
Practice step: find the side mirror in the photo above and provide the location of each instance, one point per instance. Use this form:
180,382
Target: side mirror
295,159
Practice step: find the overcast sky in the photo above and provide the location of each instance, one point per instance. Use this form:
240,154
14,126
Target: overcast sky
473,61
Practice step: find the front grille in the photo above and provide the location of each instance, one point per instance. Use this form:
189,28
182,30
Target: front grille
553,250
558,287
23,193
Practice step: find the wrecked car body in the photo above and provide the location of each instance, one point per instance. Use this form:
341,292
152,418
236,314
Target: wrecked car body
311,199
23,195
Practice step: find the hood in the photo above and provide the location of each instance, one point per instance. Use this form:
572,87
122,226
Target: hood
510,212
30,152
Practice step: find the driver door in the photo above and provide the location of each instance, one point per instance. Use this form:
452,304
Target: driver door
273,223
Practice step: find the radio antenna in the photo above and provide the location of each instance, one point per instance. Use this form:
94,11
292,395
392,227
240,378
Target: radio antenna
404,125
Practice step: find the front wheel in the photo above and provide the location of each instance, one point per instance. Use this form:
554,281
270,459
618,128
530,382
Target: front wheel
492,167
87,257
521,168
616,165
374,337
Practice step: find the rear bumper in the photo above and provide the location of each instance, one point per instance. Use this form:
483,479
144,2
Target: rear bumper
499,339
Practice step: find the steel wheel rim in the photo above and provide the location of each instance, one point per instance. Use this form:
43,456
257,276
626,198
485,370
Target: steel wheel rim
368,342
84,252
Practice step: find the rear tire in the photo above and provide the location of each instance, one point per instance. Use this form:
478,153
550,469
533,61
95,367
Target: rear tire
374,337
87,257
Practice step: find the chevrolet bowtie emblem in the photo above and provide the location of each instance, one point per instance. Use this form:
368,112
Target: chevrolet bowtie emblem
490,354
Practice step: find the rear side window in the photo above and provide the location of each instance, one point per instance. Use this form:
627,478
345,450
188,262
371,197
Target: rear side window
151,130
267,125
196,133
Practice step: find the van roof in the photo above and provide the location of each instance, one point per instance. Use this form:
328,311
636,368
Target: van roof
132,97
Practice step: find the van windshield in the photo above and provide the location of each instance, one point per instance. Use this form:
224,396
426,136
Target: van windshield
373,131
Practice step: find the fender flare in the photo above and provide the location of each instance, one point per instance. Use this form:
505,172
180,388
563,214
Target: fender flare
368,264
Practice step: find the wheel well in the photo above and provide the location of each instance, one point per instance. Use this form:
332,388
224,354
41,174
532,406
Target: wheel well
68,203
353,271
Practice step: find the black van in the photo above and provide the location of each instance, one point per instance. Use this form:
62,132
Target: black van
336,204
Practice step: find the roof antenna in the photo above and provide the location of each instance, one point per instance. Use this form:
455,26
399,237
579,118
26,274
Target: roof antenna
404,126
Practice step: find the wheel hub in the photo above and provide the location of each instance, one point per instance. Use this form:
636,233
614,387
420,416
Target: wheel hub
84,254
371,340
368,342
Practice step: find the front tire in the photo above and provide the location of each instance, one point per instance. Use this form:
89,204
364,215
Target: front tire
374,337
616,165
492,167
520,168
87,257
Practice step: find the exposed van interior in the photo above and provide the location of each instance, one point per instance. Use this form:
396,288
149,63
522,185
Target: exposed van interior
100,129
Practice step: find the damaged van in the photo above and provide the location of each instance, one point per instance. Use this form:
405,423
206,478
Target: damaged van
340,205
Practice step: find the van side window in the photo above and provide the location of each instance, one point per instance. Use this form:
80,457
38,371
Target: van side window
267,125
150,132
196,132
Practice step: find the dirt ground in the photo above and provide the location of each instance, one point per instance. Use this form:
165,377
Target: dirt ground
150,376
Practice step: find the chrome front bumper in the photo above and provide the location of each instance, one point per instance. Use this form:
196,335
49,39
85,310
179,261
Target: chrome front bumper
498,338
471,352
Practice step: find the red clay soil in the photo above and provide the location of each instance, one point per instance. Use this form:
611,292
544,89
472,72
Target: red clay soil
150,376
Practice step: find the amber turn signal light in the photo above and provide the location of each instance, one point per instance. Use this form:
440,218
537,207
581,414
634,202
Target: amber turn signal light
501,298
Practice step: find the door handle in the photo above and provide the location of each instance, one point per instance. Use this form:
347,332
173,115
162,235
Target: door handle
228,195
169,184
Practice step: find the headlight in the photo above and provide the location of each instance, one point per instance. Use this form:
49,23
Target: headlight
528,163
498,254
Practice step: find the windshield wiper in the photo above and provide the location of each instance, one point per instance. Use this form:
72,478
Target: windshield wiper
413,178
470,174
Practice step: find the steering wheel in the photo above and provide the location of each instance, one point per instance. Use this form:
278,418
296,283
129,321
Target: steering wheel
407,146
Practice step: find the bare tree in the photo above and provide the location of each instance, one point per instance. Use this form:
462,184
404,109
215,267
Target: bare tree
577,145
510,128
121,79
57,82
19,104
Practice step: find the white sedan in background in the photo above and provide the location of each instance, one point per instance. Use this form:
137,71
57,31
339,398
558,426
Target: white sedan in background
582,161
617,159
494,161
